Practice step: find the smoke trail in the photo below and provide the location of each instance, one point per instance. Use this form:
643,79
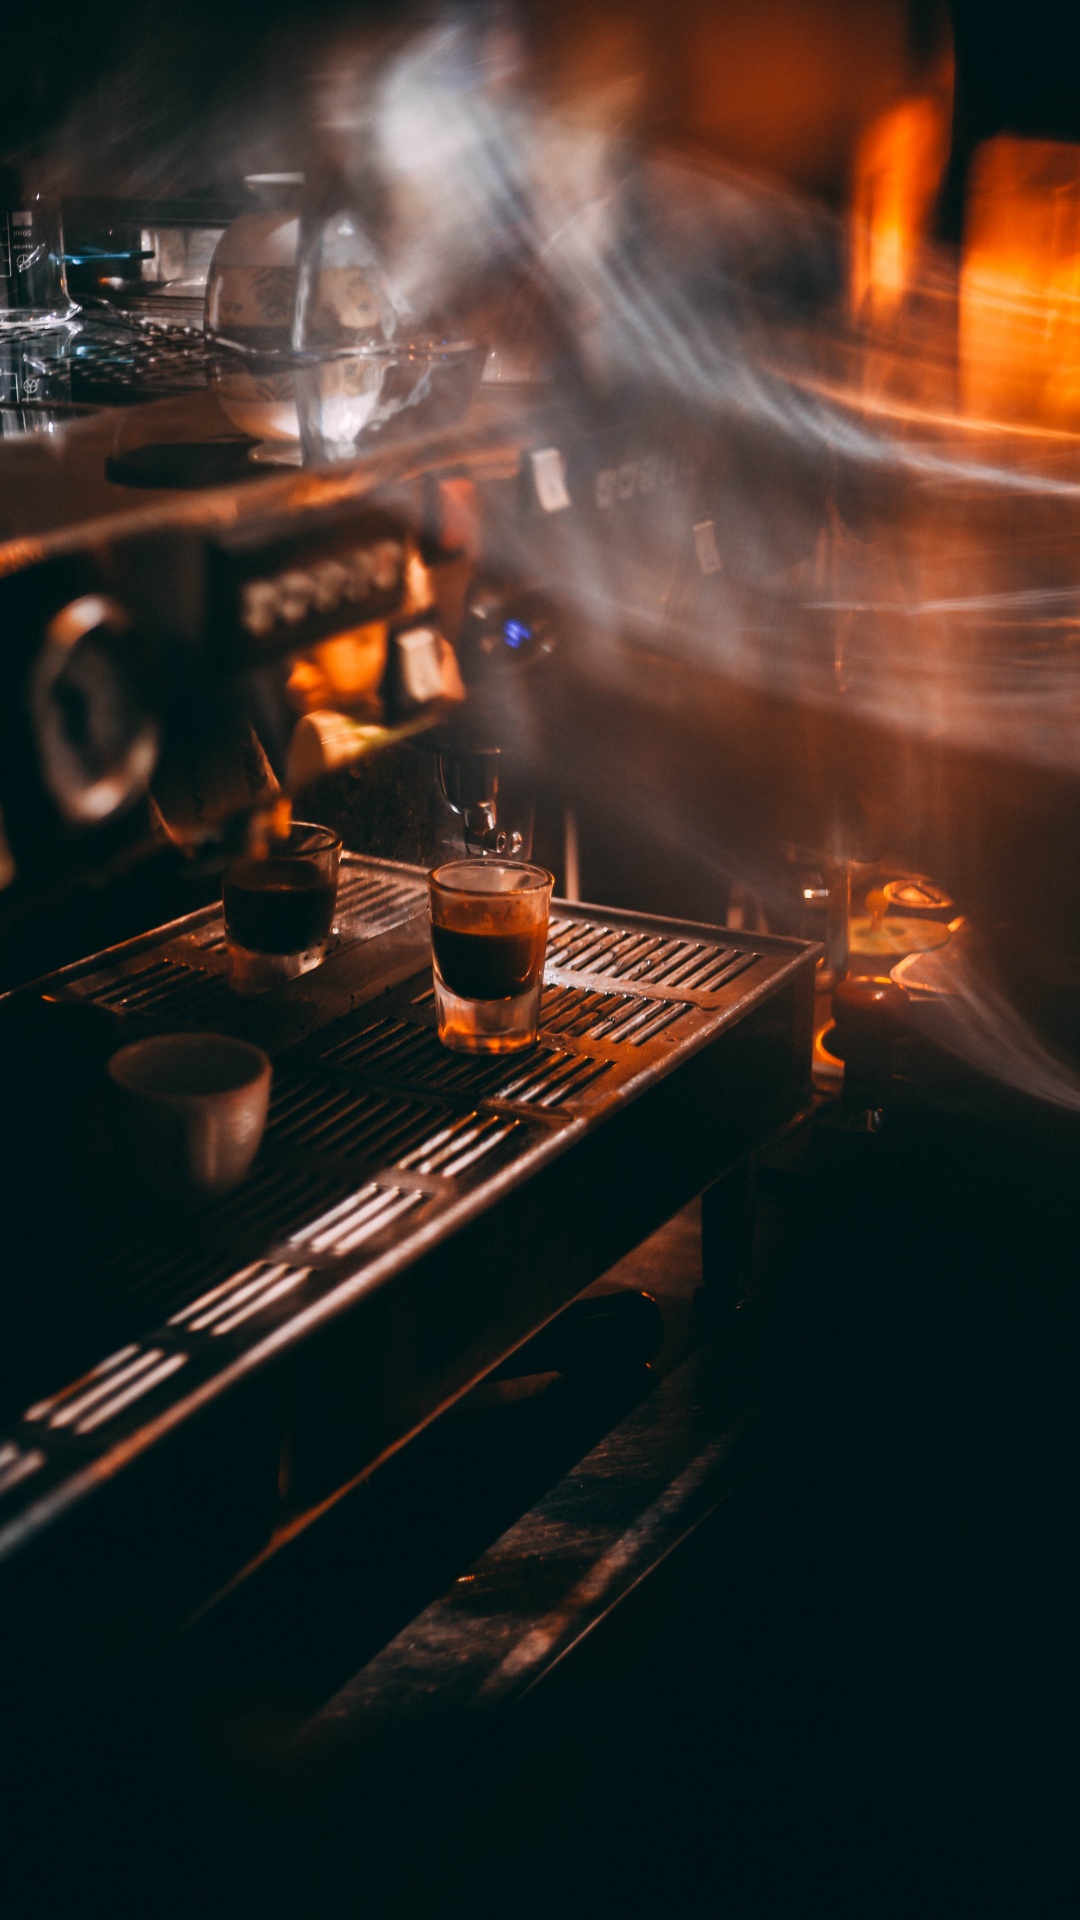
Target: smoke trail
969,1017
714,295
911,568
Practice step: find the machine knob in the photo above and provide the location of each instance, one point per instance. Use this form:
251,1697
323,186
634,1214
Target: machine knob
98,745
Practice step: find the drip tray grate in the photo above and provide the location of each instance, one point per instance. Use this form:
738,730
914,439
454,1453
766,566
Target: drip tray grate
99,1396
381,1145
335,1119
148,1269
338,1233
166,990
239,1298
591,1014
369,904
186,985
17,1464
544,1076
327,1116
583,1013
619,953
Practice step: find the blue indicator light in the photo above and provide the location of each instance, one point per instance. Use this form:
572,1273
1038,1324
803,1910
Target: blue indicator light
514,633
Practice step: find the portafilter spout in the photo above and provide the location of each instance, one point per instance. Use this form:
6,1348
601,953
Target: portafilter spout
469,783
507,631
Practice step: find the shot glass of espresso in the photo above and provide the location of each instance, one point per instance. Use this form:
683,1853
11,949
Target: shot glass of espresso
489,922
279,907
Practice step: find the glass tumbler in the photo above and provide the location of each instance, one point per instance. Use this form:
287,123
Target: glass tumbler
279,907
33,276
348,402
489,922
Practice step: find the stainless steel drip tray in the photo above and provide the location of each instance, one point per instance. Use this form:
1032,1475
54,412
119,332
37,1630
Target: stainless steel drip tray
176,977
414,1214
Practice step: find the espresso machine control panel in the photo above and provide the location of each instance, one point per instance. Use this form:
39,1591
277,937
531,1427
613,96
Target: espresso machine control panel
130,651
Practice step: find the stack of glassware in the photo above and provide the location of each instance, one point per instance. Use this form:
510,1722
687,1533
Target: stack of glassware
308,354
37,314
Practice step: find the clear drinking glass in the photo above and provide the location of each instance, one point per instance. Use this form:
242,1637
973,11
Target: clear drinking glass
250,297
279,907
489,921
33,277
359,380
348,402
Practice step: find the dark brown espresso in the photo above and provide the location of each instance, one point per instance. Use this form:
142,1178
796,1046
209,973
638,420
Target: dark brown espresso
278,906
489,966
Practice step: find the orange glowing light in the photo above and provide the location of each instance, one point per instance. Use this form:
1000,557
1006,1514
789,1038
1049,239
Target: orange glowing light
899,163
1020,283
342,673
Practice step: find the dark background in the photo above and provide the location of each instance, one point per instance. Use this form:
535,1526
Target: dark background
860,1697
137,97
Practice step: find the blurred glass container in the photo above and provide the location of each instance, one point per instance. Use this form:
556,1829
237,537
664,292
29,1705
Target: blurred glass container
16,422
359,377
348,403
250,304
35,381
512,313
251,286
258,396
33,277
301,326
342,302
35,366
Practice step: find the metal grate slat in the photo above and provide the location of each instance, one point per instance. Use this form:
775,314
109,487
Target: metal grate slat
359,1218
628,954
388,1130
98,1396
239,1298
392,1047
168,988
17,1464
619,1018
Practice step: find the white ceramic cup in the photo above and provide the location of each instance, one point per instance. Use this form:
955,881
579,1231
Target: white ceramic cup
191,1110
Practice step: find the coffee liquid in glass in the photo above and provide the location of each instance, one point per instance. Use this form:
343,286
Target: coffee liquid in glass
278,906
489,921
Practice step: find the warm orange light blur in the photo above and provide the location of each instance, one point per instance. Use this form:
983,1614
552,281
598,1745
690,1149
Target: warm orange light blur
344,673
1020,284
783,85
899,163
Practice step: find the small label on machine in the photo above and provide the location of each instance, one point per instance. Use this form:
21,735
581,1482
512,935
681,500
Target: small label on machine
549,478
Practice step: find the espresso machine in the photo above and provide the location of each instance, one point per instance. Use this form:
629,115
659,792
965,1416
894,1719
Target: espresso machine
415,1216
147,666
